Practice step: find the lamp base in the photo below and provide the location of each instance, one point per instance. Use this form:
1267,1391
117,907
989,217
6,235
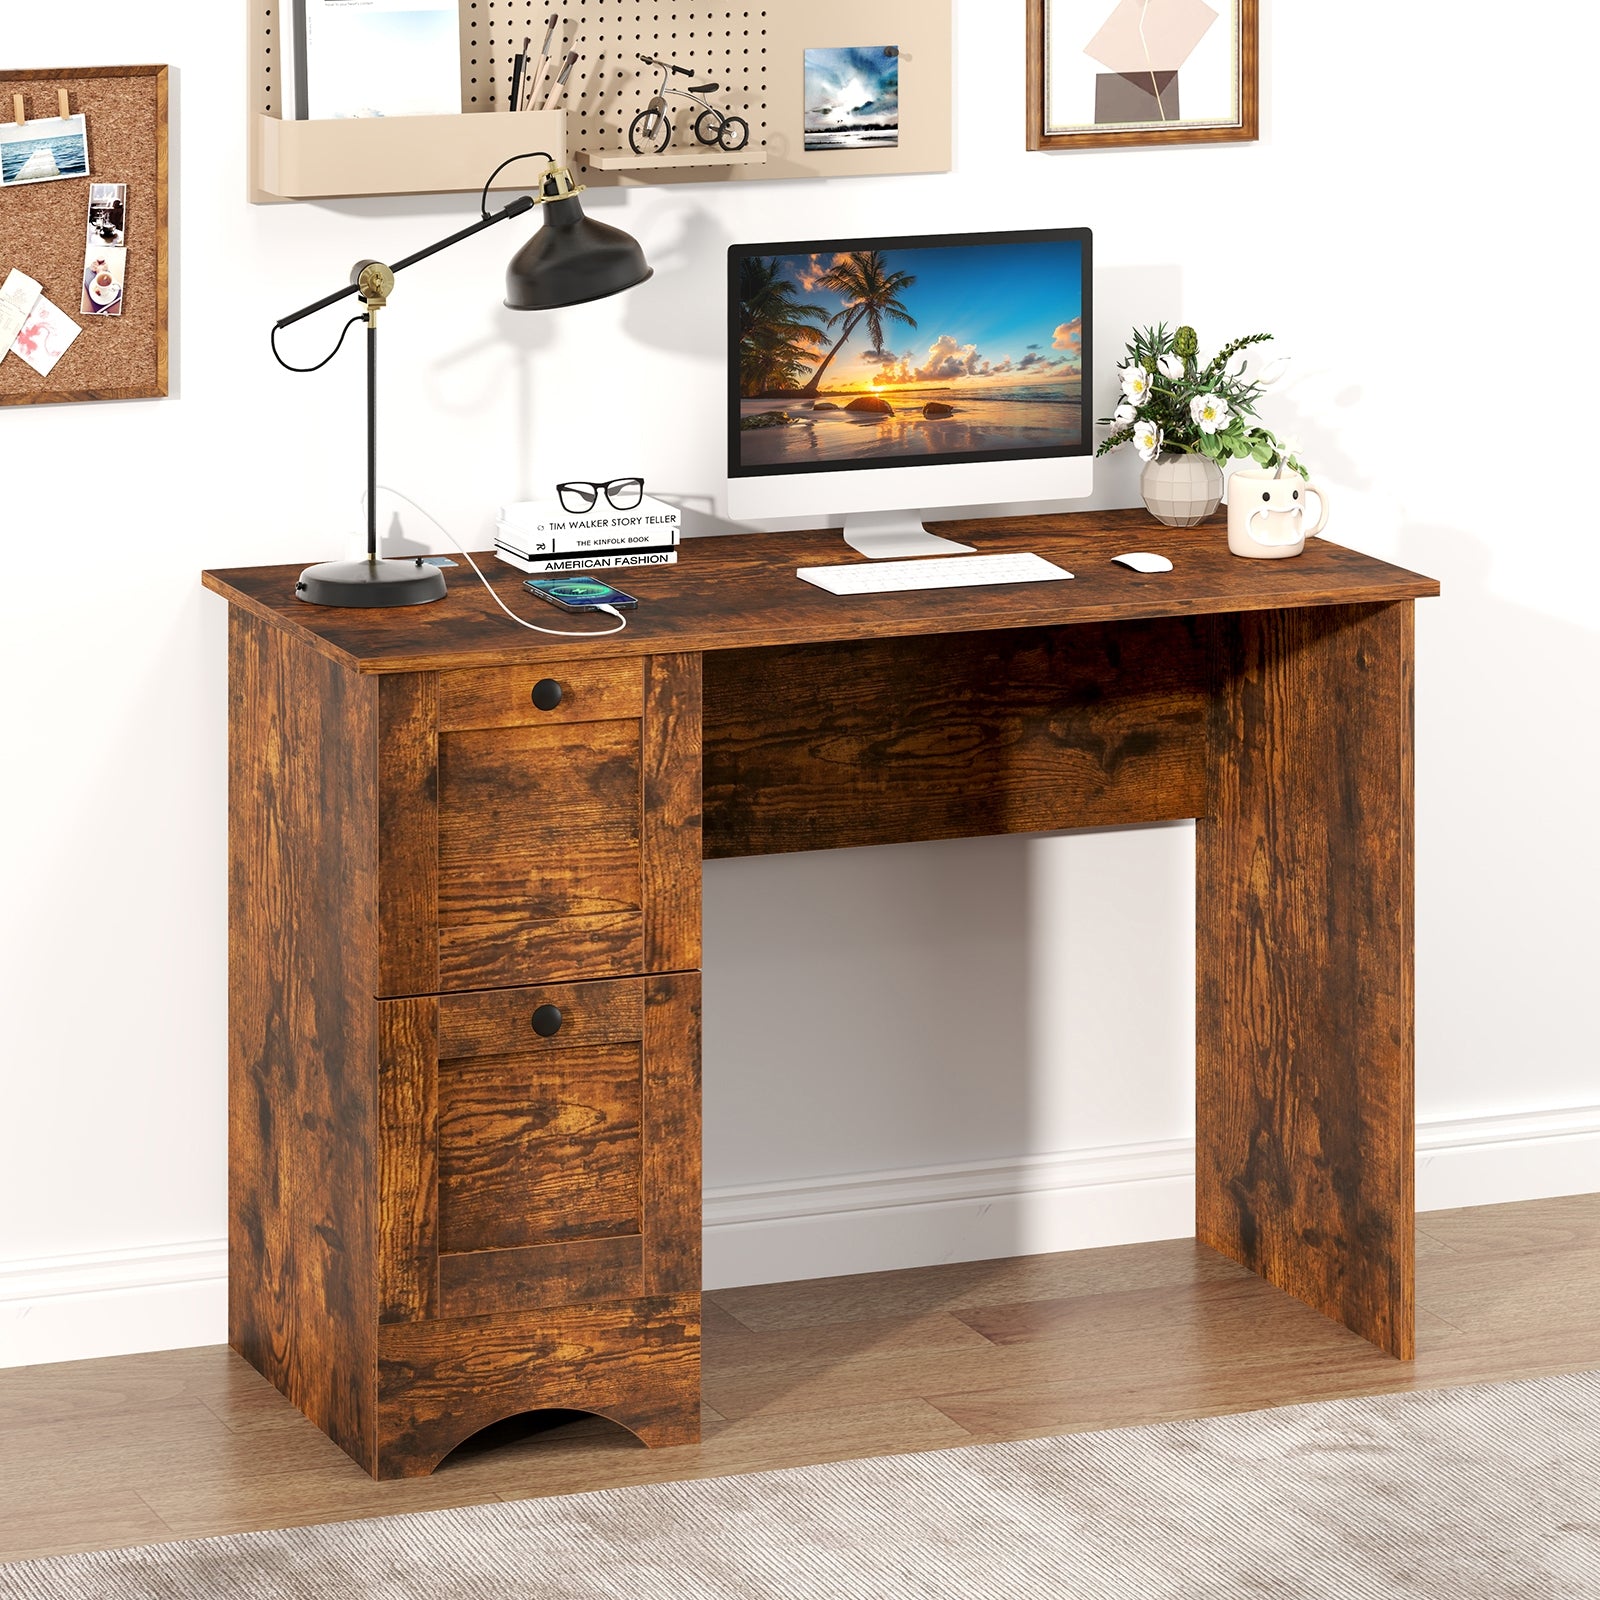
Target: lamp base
371,583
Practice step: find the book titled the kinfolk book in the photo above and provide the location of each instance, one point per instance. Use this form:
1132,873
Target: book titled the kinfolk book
374,58
524,543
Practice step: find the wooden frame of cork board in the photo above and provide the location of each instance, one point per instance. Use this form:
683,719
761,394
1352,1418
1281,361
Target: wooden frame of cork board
42,231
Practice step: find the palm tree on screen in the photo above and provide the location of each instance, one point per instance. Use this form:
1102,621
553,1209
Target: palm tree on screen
872,295
778,335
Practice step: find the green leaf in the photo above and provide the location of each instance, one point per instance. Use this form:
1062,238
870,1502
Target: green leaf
1120,437
1229,351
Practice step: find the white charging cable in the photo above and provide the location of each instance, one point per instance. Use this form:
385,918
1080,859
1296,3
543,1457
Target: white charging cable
522,622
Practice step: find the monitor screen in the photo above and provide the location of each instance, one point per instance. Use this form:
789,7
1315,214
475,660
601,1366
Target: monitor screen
862,353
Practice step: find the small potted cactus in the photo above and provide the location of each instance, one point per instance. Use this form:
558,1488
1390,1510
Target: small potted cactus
1186,419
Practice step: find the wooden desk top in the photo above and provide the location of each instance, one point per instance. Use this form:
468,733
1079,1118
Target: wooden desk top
741,592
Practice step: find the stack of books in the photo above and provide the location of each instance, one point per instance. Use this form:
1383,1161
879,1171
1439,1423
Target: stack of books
540,536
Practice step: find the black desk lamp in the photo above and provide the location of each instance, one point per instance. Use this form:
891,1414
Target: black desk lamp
570,260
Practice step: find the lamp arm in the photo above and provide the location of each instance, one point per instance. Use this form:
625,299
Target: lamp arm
518,208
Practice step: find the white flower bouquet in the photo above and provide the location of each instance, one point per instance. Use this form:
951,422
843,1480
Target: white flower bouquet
1171,403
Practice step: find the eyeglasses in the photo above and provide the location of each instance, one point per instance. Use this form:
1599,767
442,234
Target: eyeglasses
622,494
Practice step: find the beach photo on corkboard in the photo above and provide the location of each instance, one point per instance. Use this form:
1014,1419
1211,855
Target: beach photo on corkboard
43,150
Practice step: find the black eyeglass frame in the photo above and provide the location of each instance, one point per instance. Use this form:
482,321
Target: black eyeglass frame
598,489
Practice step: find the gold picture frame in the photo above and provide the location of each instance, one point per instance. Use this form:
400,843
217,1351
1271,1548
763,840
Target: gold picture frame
1125,85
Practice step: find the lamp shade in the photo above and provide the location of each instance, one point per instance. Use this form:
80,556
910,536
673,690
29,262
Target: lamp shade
573,258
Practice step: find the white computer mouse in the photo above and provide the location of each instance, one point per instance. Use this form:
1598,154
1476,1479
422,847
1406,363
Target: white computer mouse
1144,561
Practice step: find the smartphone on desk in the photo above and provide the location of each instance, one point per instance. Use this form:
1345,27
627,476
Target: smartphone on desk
579,593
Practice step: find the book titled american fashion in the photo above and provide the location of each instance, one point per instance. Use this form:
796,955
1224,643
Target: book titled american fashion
599,562
375,58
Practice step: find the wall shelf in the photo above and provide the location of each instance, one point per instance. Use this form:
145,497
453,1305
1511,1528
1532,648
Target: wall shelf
754,53
626,161
399,155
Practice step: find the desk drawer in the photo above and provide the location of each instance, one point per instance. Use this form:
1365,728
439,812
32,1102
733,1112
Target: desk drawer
540,841
539,1147
539,1132
539,823
553,693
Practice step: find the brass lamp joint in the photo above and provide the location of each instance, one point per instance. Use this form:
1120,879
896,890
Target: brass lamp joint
558,183
374,282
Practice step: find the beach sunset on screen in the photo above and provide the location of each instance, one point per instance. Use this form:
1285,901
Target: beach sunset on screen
911,354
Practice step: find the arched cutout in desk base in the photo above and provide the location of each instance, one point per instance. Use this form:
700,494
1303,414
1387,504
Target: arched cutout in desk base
522,1428
636,1363
650,1434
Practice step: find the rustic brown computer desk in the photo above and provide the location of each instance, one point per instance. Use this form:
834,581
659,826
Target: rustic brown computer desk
465,927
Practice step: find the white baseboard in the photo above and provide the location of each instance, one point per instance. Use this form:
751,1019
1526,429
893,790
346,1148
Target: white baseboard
113,1303
1083,1199
118,1302
971,1211
1488,1161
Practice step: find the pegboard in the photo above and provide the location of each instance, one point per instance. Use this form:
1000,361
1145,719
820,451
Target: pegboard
609,85
729,41
755,54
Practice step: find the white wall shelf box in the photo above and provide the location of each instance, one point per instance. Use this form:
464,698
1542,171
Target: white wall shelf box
399,155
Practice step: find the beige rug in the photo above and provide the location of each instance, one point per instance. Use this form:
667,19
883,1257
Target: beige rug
1489,1493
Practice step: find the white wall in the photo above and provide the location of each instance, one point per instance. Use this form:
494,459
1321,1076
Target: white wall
987,1046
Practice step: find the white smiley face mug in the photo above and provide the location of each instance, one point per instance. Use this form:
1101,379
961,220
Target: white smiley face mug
1266,514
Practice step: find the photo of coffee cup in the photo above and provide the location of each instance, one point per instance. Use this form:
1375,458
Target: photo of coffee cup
103,272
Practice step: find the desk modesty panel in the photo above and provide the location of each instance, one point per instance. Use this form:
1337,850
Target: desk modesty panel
465,927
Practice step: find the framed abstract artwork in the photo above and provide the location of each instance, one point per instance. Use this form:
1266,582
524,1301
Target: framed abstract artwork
1141,72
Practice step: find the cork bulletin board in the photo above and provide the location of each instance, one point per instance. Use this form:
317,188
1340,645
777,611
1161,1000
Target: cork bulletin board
43,229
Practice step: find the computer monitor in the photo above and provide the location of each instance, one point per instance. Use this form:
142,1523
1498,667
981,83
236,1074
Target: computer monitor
882,378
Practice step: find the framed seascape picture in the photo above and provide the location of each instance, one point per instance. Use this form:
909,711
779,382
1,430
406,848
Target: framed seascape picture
1140,72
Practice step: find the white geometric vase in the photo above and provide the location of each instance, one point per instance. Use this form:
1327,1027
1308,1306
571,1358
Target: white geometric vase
1180,489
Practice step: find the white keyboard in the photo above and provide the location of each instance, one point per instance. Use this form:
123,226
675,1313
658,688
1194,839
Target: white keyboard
938,572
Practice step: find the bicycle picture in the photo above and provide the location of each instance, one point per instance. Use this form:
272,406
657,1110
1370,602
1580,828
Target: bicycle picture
651,131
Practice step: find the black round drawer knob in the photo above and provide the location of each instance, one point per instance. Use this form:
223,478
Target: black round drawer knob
547,1021
547,694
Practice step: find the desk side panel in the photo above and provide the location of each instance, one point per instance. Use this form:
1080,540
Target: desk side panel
818,747
1305,1107
302,952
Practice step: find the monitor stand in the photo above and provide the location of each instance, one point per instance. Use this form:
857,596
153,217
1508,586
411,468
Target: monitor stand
884,534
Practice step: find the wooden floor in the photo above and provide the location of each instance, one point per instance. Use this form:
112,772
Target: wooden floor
138,1449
